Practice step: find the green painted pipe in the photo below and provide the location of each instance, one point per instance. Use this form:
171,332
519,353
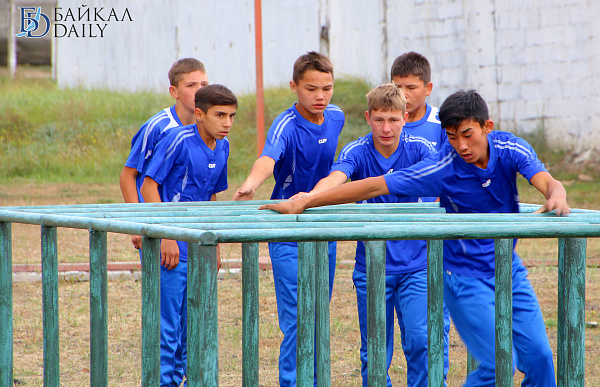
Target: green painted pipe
98,309
435,313
305,338
571,312
50,307
250,315
504,331
376,344
323,354
6,306
150,311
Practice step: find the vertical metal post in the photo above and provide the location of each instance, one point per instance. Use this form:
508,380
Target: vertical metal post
571,312
98,309
250,315
12,40
561,342
384,42
50,306
435,312
6,306
376,348
203,314
260,99
471,363
324,23
322,306
504,255
150,311
53,49
305,339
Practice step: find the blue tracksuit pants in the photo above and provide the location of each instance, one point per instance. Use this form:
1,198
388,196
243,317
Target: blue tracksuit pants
173,325
471,303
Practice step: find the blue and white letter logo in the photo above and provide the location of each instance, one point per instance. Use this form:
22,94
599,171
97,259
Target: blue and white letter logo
30,22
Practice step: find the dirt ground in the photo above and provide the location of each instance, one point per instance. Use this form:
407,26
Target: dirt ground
125,332
125,308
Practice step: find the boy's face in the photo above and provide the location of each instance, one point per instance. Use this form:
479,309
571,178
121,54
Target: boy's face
386,127
217,121
314,91
415,91
186,89
470,141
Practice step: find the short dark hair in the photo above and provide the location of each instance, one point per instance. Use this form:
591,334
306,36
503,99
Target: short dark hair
184,66
311,61
461,106
214,95
412,63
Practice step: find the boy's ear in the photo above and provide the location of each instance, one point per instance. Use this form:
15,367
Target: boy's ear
367,117
428,88
173,92
488,126
199,114
293,87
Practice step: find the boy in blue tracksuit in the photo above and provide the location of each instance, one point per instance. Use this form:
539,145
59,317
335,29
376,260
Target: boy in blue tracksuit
474,173
386,149
299,151
411,72
189,164
186,77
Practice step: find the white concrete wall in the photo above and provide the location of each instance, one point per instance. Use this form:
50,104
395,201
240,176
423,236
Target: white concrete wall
137,55
536,62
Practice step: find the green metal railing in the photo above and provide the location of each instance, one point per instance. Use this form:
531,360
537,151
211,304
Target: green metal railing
205,224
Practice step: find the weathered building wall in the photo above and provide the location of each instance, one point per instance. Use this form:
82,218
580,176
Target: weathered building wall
137,55
536,62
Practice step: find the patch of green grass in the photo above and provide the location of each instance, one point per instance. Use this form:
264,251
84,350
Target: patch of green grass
48,134
68,135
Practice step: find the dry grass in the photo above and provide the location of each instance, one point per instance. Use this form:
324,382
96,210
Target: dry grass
125,332
124,300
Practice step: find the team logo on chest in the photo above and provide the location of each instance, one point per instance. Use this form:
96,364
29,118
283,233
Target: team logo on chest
487,183
390,171
212,165
322,141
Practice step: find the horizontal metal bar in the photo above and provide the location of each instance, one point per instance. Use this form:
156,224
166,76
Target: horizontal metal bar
186,206
272,217
398,230
266,225
413,231
116,226
229,211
